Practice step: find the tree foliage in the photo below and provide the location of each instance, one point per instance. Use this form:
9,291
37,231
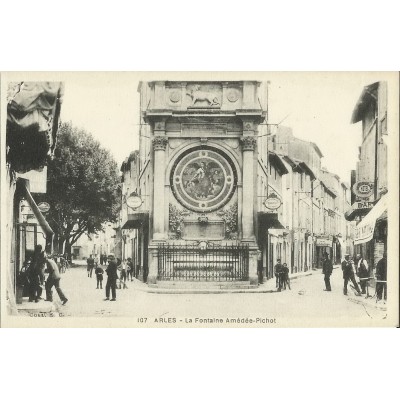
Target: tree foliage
83,186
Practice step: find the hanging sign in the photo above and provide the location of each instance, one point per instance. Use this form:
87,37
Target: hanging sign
44,207
272,202
134,201
324,241
363,189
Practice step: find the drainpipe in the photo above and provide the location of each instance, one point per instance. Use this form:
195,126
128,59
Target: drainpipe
376,162
376,150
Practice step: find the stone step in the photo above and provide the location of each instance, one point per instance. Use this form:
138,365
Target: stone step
220,285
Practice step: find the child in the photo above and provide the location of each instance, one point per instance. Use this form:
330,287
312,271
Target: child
99,275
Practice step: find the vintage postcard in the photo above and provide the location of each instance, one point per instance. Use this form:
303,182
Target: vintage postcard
193,199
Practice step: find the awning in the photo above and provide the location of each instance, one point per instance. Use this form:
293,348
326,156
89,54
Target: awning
277,162
367,95
364,231
307,170
354,212
269,221
135,220
39,216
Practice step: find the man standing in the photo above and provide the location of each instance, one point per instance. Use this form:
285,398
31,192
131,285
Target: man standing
36,274
90,266
381,278
53,280
277,272
327,268
112,277
348,275
285,276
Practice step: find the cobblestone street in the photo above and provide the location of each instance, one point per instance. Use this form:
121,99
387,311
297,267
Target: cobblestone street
305,302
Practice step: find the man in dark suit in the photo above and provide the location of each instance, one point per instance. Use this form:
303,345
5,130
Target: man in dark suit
327,271
36,274
112,276
277,272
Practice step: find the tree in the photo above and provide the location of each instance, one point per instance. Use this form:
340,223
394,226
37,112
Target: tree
83,186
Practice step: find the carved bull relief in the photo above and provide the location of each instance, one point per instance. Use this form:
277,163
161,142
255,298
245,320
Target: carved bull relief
199,95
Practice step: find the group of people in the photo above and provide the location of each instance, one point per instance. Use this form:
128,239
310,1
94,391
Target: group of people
350,268
34,272
358,267
117,269
281,272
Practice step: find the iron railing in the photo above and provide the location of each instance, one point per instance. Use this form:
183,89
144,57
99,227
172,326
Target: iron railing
190,262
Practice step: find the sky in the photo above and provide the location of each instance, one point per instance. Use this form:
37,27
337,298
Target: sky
317,106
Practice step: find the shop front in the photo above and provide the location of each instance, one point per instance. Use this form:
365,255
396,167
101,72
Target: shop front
273,242
30,229
370,237
135,235
323,244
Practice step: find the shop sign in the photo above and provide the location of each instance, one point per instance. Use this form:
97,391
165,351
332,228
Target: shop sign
134,201
44,207
363,189
364,205
324,241
364,231
272,202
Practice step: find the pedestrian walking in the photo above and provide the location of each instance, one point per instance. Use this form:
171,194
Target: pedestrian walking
53,280
348,275
327,269
277,272
381,278
67,259
99,276
112,277
96,261
362,272
285,276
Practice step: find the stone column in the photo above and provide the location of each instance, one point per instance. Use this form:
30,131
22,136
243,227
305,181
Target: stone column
248,146
159,146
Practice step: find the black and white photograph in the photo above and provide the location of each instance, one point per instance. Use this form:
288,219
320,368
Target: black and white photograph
254,199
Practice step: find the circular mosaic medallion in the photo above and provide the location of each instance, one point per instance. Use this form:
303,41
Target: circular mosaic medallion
175,96
203,179
232,95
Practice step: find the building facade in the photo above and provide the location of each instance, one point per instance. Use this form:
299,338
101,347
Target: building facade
369,179
214,193
315,204
33,111
199,172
